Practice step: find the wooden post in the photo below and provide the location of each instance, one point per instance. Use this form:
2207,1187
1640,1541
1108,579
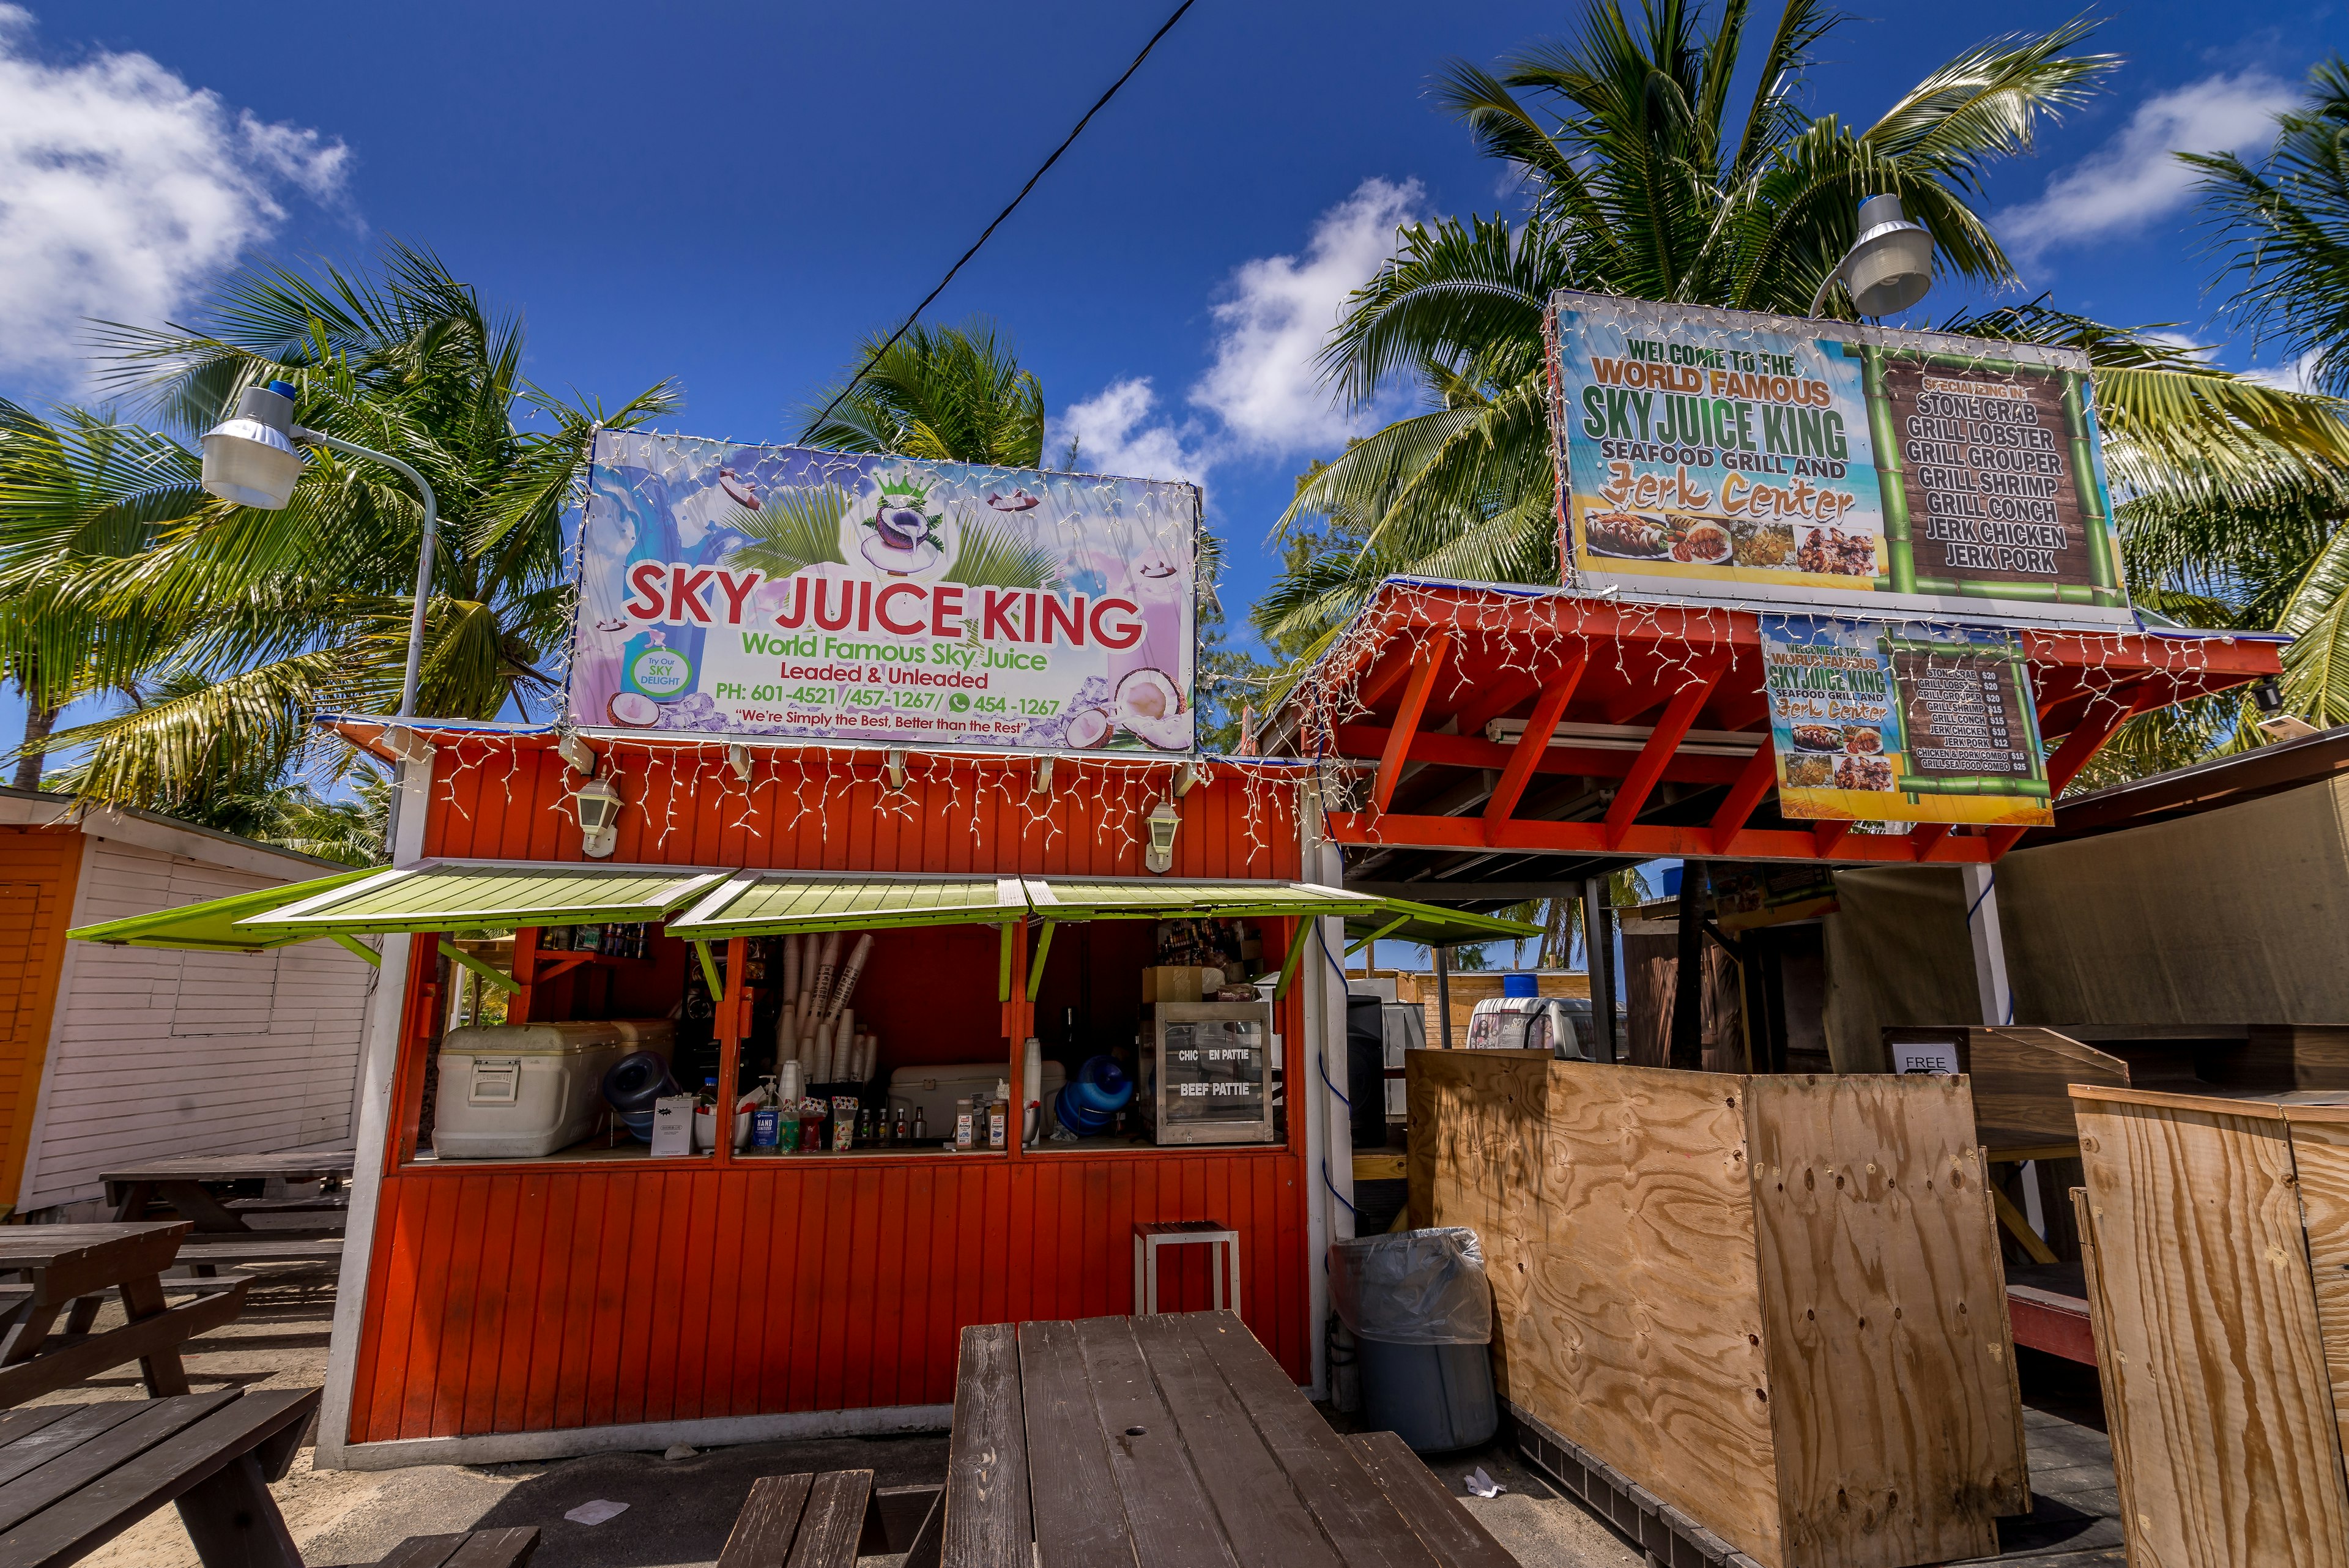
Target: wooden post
1598,958
1686,1048
733,1020
1443,996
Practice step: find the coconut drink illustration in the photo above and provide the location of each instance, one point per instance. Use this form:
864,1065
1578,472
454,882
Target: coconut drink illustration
903,537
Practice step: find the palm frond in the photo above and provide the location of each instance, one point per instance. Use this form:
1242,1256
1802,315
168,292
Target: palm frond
795,529
990,556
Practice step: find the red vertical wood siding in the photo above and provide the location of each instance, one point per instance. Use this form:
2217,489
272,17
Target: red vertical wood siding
530,1298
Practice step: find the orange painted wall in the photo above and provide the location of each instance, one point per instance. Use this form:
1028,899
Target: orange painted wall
39,869
526,1298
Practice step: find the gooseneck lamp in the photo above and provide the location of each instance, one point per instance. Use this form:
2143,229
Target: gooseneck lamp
1888,268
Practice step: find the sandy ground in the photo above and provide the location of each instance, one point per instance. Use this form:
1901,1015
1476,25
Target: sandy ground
678,1510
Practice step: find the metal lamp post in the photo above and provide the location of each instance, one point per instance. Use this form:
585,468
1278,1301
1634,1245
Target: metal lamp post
251,460
1890,266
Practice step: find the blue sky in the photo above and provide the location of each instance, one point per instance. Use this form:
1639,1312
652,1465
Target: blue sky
732,195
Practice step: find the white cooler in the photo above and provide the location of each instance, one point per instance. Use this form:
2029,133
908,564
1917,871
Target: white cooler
935,1089
517,1091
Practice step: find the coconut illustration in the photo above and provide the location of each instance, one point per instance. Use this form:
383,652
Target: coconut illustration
901,538
633,709
1148,703
1088,728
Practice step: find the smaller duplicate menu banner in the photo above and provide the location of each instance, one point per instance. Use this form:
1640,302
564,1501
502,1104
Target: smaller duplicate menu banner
1903,722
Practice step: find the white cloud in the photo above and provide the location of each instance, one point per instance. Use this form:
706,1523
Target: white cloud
1263,396
1114,437
122,189
2294,376
1265,385
2133,178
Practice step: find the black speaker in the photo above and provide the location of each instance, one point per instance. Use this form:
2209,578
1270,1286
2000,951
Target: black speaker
1366,1070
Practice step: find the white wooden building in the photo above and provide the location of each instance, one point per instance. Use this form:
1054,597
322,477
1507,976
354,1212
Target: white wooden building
111,1053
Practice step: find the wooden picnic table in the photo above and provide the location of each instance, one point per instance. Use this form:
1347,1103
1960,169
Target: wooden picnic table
73,1476
69,1269
1175,1441
186,1183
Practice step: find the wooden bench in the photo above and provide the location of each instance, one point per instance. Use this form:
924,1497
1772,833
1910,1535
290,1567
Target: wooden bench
825,1520
470,1549
204,1256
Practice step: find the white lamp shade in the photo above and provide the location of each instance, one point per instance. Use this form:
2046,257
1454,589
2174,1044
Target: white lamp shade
251,464
1890,265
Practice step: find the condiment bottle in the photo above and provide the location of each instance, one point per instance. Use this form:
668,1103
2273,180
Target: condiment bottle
921,1124
962,1123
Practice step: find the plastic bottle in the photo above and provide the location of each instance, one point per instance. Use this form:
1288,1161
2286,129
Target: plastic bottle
921,1124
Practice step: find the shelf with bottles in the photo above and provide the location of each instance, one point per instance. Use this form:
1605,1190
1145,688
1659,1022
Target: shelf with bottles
548,950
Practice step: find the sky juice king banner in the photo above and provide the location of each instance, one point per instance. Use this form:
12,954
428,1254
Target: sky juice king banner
1902,722
746,590
1726,454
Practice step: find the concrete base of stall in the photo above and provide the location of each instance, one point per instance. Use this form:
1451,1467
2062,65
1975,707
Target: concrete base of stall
723,1431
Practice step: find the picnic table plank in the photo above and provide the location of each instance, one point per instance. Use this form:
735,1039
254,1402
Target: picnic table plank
838,1509
984,1519
207,1465
507,1548
1442,1521
30,1448
1356,1516
1073,1494
762,1532
117,1443
72,1260
1173,1524
1261,1513
293,1165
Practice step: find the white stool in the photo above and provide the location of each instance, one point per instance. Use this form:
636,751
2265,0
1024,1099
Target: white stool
1149,1238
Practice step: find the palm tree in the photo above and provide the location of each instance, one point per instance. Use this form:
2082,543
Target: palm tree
1643,185
1644,182
949,394
272,617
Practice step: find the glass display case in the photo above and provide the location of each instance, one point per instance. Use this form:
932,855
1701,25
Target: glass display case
1207,1072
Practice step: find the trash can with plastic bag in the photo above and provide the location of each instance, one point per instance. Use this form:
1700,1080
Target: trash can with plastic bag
1420,1306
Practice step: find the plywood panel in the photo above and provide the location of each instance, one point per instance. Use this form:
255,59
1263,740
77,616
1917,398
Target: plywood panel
2210,1311
1899,1431
829,1285
2320,1155
2020,1080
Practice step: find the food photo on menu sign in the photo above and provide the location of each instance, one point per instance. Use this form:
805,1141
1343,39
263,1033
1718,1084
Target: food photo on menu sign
1902,722
1732,454
746,590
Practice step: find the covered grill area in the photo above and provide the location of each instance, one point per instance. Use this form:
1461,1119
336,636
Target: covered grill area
1489,743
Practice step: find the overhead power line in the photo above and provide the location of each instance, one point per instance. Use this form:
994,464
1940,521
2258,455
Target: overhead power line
1098,104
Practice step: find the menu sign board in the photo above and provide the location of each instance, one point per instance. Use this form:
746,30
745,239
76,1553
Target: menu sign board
1210,1077
1729,455
743,590
1902,722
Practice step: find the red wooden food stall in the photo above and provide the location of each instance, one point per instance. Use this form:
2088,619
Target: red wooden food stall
596,1296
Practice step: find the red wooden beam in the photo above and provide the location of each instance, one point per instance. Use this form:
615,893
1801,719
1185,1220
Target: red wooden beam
1364,742
1531,746
1927,836
1503,694
1642,840
1755,782
1679,714
1831,834
2086,739
1414,703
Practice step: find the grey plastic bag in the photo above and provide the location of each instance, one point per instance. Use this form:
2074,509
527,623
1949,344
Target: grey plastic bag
1421,1287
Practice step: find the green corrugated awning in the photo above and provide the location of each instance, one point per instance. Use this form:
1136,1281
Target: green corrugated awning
767,903
449,895
211,927
1429,925
1165,897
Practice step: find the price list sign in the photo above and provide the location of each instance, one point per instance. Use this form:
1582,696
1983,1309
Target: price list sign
1903,722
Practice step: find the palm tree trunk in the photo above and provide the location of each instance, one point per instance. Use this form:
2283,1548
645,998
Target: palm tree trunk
38,723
